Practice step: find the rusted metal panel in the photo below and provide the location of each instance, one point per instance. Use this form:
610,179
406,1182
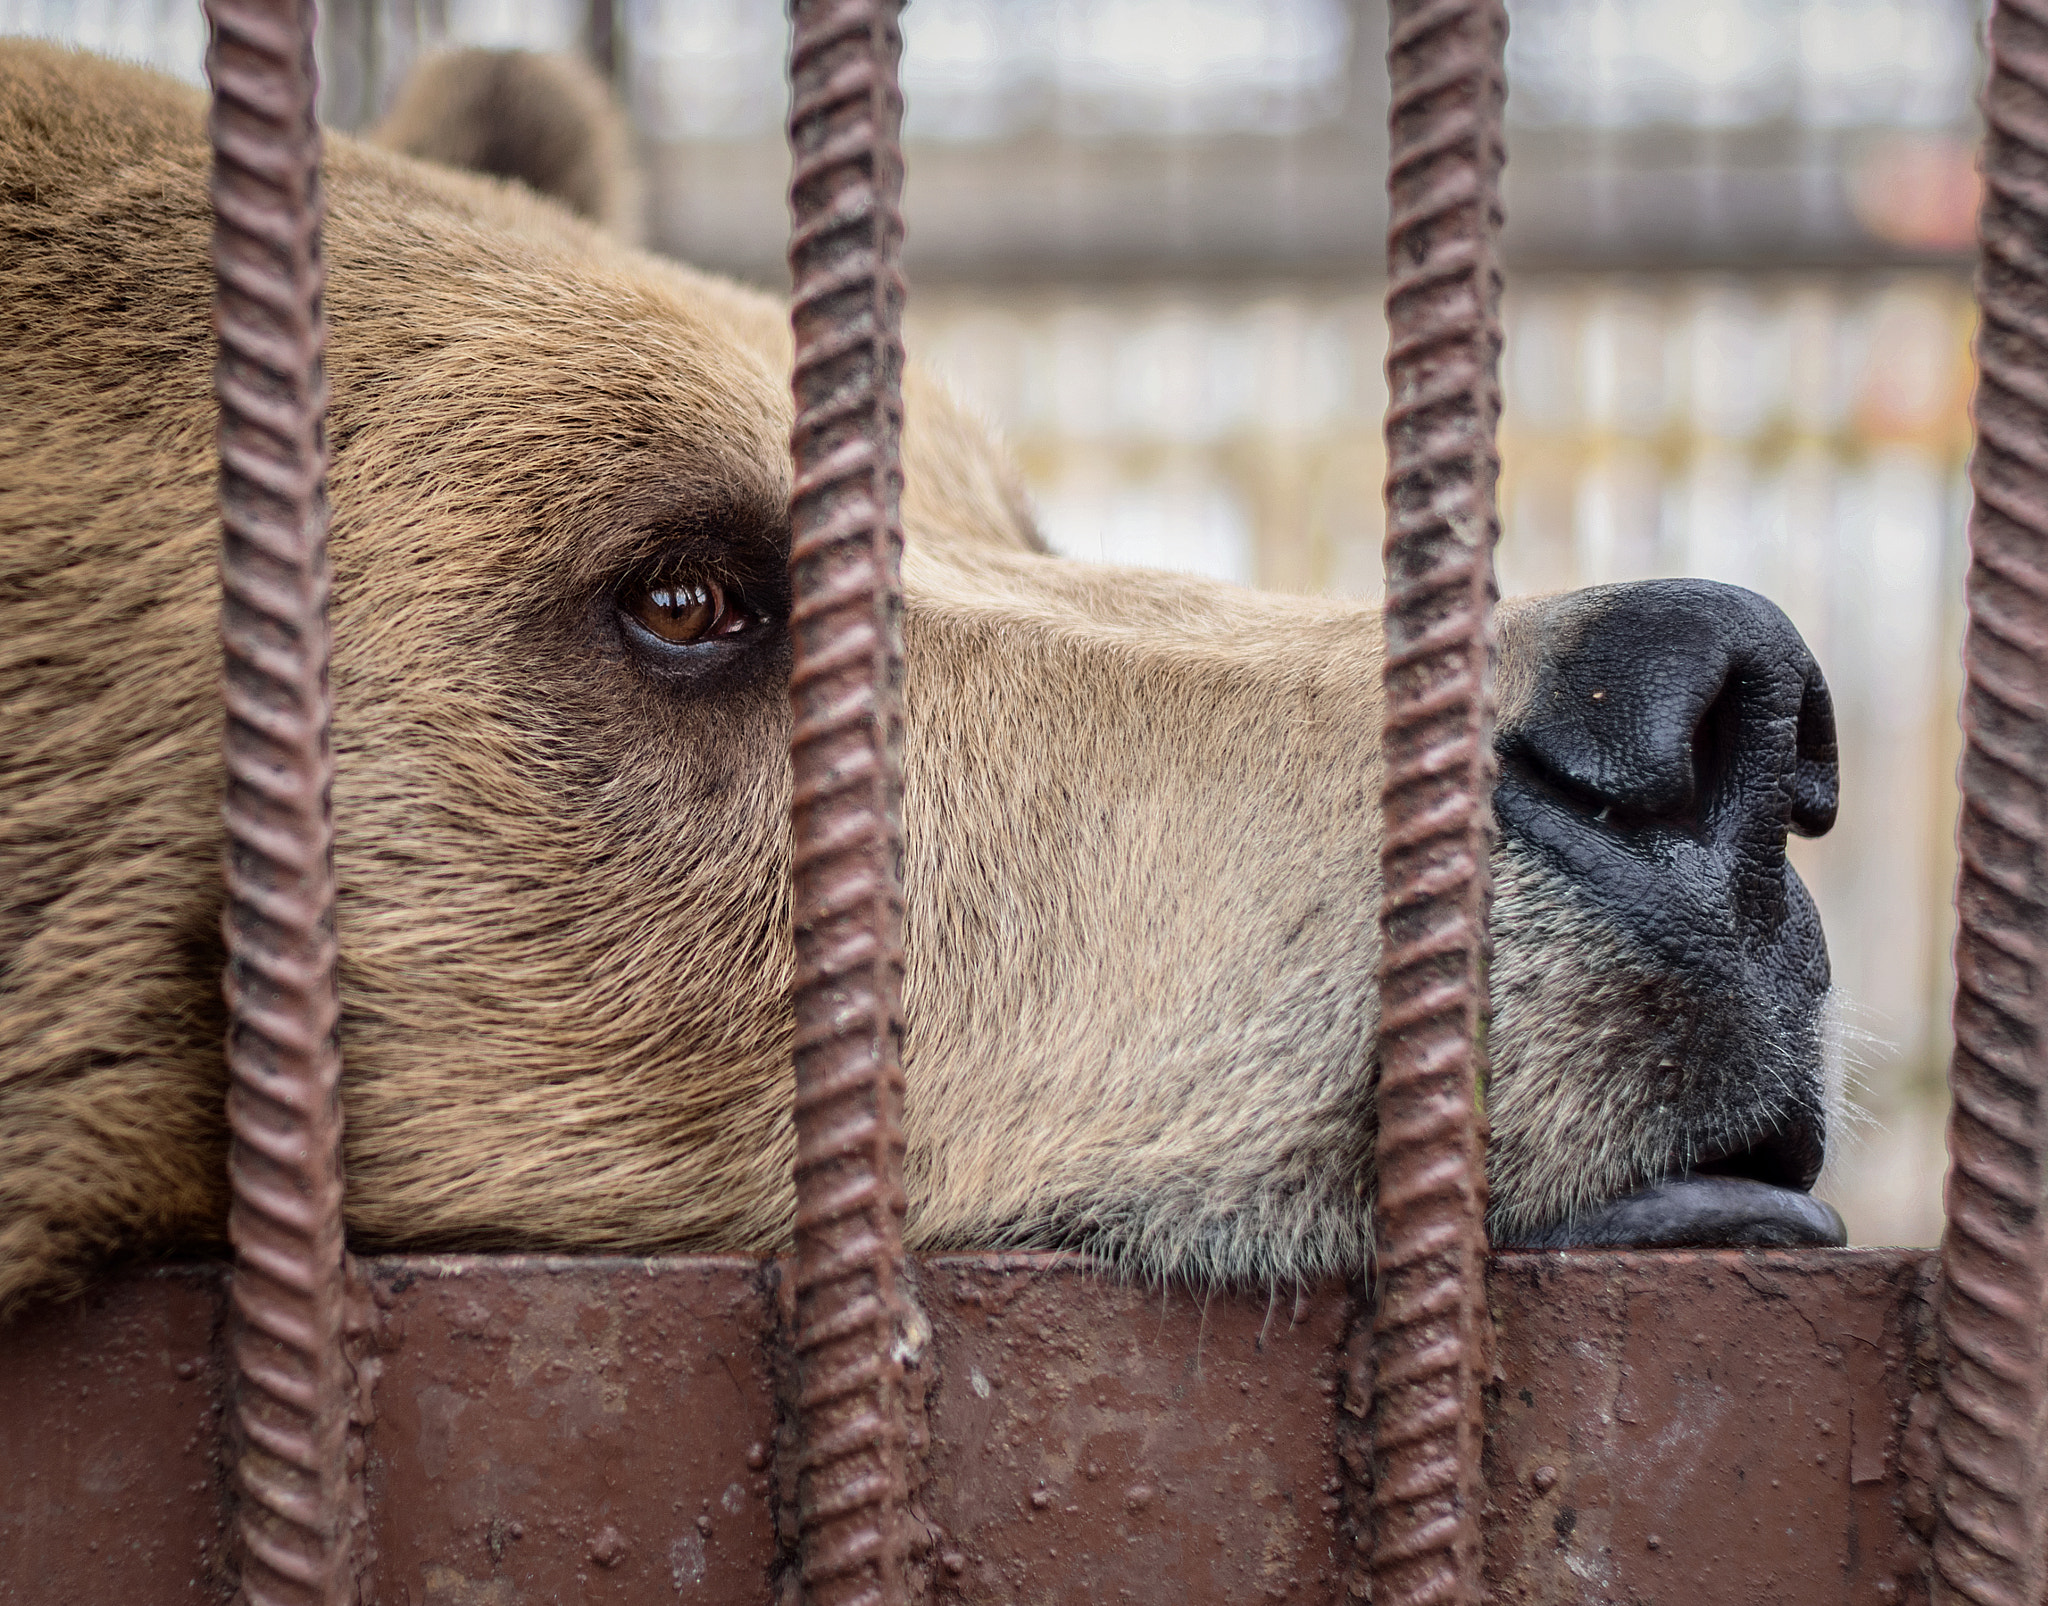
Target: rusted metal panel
111,1471
1682,1427
856,1327
293,1387
1447,87
593,1430
1707,1428
1097,1442
1993,1432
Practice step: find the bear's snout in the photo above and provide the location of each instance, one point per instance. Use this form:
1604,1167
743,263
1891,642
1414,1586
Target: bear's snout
1658,743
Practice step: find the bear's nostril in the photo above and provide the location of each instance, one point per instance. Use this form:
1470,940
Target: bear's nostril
1626,756
1678,704
1816,776
1716,742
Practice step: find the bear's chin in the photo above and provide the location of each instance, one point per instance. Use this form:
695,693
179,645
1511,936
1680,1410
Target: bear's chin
1697,1212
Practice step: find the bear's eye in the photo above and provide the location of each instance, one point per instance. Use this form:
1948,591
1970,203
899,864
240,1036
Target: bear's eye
685,612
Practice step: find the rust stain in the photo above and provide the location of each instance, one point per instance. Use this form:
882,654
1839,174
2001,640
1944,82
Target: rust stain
1678,1427
1128,1437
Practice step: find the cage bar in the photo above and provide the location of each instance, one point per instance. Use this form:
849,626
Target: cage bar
1444,61
1994,1258
290,1390
856,1328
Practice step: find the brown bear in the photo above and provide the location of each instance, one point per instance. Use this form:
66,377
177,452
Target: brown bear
1142,859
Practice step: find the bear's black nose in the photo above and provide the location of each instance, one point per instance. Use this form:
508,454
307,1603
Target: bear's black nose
1657,743
1673,702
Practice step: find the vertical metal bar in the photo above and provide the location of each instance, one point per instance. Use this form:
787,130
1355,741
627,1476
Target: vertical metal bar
284,1065
1444,60
853,1310
1989,1538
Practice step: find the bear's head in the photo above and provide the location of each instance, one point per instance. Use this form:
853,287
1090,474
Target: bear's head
1141,809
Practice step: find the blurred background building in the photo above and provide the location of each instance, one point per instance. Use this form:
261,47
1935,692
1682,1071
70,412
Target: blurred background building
1146,240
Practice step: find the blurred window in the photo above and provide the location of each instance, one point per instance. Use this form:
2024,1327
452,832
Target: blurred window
1727,63
991,69
166,34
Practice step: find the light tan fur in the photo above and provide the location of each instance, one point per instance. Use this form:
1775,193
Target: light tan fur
1141,809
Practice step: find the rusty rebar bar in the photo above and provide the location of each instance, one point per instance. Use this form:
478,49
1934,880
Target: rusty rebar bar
1989,1538
1444,60
291,1386
854,1317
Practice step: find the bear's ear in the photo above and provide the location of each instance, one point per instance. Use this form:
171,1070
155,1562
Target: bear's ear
548,121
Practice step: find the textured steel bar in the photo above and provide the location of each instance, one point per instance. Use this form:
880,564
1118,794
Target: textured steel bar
1444,60
1993,1426
292,1384
855,1324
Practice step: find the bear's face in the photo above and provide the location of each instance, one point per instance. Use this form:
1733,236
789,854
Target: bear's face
1141,810
1142,867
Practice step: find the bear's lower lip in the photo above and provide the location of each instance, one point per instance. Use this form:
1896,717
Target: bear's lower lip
1697,1212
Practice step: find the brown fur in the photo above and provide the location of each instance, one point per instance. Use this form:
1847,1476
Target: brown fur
1142,865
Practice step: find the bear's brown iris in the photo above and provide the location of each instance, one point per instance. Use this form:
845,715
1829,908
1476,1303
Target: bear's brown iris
682,612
